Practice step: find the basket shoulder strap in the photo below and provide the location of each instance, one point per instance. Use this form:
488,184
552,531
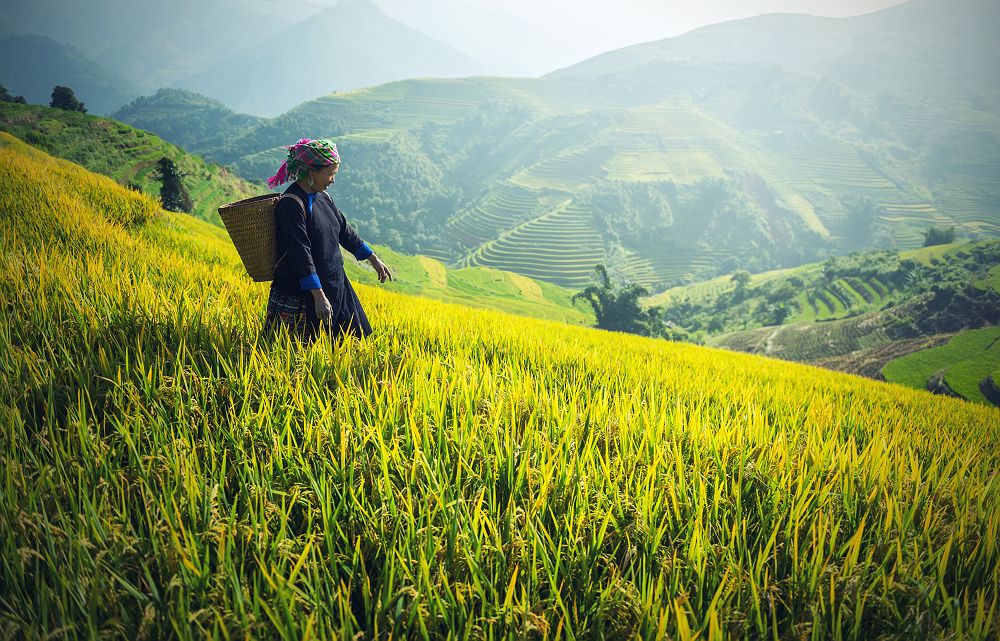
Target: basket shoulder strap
293,197
299,201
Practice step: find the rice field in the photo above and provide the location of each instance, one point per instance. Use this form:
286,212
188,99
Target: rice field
560,247
504,207
844,296
462,474
568,171
125,154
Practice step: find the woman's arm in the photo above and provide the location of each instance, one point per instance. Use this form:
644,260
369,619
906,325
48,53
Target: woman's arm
350,241
380,268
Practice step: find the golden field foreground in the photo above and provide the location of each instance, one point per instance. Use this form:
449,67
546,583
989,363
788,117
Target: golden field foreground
463,473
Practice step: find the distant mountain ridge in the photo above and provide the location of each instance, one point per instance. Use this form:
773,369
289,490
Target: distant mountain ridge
919,32
32,65
671,168
251,55
345,47
152,44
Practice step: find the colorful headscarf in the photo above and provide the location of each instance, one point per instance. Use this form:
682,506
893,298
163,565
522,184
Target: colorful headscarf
302,155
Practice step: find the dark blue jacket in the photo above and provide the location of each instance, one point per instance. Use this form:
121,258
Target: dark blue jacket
309,242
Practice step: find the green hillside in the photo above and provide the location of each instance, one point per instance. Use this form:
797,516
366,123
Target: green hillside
963,367
671,168
124,153
189,120
460,474
855,313
129,155
839,288
475,287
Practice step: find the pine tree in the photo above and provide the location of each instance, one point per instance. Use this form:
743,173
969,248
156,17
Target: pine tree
173,193
64,98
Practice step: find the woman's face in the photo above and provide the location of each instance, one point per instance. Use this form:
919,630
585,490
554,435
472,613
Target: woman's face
324,176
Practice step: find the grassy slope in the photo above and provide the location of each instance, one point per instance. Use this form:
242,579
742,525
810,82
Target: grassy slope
462,471
853,337
123,153
129,155
964,363
717,285
476,287
879,295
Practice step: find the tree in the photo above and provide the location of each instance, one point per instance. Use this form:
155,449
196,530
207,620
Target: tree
939,236
741,280
64,98
618,308
5,96
173,193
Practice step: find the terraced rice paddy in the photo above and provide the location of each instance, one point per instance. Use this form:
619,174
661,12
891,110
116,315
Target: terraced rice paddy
682,127
568,171
669,265
844,296
807,342
972,202
678,165
503,208
836,167
933,254
559,247
637,269
908,222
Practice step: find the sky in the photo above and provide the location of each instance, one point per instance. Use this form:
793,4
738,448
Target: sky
537,36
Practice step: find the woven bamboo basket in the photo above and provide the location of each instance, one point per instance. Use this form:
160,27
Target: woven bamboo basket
250,224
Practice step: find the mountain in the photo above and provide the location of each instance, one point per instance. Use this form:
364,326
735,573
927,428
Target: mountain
348,46
153,44
460,473
33,65
189,120
243,53
486,34
903,51
670,168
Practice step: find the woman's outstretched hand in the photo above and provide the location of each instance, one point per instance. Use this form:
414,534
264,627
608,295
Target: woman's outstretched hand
324,311
380,268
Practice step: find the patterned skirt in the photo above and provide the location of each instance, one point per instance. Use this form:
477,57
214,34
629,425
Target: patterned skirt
293,309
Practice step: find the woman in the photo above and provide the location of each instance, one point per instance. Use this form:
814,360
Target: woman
310,290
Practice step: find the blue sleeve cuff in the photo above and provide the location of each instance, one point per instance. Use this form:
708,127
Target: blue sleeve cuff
363,252
309,282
